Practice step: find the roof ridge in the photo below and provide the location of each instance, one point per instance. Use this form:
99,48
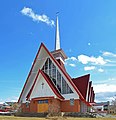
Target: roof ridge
82,76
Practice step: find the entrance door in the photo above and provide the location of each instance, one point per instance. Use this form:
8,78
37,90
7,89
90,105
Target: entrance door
42,106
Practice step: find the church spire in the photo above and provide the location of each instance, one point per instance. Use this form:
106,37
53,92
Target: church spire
58,53
57,39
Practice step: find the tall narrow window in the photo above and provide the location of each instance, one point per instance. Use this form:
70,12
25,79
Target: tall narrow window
58,80
54,73
50,69
63,86
46,66
69,90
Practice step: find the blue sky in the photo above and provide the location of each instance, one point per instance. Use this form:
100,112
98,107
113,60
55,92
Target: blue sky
88,37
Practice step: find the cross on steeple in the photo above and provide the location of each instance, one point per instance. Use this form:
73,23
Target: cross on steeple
57,39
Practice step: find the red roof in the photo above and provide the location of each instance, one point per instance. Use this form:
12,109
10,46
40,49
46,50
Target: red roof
78,90
82,84
91,97
48,80
90,83
30,72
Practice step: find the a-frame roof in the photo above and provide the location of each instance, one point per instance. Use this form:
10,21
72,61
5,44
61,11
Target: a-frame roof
30,72
82,84
50,83
62,70
90,84
91,94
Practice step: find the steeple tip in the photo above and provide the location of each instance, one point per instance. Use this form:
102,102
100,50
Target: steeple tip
57,39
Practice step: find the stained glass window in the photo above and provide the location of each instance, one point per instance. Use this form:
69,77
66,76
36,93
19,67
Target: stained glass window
58,80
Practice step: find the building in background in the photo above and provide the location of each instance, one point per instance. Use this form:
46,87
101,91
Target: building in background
50,88
102,107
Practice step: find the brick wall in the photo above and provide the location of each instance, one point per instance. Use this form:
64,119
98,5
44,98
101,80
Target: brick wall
25,108
33,106
67,107
54,105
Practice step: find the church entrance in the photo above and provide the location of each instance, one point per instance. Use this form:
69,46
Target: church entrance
42,106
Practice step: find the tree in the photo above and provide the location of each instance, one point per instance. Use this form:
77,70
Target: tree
112,107
15,107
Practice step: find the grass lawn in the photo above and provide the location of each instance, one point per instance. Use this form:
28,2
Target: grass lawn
35,118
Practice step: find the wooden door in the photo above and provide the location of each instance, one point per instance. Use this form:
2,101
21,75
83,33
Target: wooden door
42,106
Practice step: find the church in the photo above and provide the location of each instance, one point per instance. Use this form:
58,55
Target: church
49,87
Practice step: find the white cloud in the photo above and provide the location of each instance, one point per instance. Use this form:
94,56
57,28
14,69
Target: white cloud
89,68
1,102
96,60
104,96
72,65
71,61
112,79
9,99
109,54
100,70
104,88
39,18
71,58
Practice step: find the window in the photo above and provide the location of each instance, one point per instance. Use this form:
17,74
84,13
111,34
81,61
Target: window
69,89
72,101
27,104
46,66
42,101
54,72
59,81
63,86
50,69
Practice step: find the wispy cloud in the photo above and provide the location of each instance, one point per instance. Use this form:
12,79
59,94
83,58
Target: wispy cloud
71,61
104,88
84,59
104,96
111,80
89,68
110,58
71,58
39,18
100,70
72,65
9,99
110,54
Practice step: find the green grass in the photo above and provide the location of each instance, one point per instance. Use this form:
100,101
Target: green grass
54,118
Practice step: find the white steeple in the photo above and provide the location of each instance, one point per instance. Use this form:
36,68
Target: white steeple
58,53
57,39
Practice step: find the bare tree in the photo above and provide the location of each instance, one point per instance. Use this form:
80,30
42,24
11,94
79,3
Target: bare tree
112,107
